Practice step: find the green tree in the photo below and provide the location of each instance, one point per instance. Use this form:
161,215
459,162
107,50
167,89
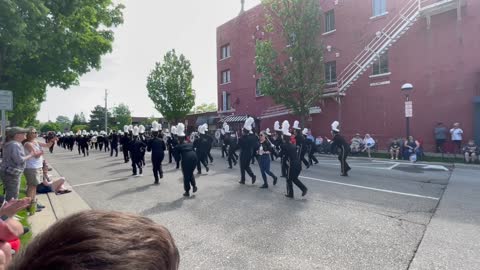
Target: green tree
50,126
212,107
293,75
170,87
97,118
121,116
77,128
79,119
51,43
63,122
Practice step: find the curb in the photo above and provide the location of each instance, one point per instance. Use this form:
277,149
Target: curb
57,207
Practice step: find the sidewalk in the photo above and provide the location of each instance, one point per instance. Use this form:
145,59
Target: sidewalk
57,207
452,239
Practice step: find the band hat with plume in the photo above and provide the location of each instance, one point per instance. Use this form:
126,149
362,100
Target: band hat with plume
84,133
296,125
125,129
136,130
180,130
226,128
156,126
248,124
267,131
305,131
335,125
276,126
285,128
201,129
205,126
130,128
141,129
173,130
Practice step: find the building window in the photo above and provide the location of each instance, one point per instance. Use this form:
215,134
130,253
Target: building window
329,21
381,65
226,76
379,7
226,101
331,72
258,91
225,51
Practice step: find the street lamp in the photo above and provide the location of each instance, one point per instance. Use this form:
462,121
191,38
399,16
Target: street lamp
406,88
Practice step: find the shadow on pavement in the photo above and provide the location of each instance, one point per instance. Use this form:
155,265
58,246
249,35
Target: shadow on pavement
131,190
165,206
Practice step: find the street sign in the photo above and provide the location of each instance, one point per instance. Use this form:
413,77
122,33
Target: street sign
6,100
408,109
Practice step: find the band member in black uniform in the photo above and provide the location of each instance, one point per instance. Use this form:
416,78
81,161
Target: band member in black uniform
170,143
188,158
230,142
247,144
106,141
273,153
100,140
125,142
137,149
174,142
278,144
84,140
201,149
343,148
289,152
143,138
223,136
301,144
264,151
113,143
157,146
78,140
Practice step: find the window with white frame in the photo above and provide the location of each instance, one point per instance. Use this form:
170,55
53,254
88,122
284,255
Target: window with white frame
379,7
331,72
226,101
226,76
225,51
381,65
258,90
329,21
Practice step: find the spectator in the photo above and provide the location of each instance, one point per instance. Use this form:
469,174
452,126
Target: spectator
457,134
92,240
356,144
368,143
33,167
411,149
394,149
470,151
440,132
14,159
48,185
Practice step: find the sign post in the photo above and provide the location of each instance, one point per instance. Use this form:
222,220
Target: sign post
6,104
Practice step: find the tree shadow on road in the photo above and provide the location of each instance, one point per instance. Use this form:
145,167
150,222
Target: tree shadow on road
166,206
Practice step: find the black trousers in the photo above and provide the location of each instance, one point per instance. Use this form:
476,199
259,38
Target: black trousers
79,149
224,151
114,148
284,167
303,159
232,157
210,156
188,167
292,178
85,150
170,155
100,145
312,158
125,154
245,167
342,157
201,160
157,167
107,146
137,163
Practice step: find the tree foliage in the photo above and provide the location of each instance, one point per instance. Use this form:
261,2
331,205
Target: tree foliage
121,116
293,75
51,43
97,118
63,122
77,128
79,119
212,107
170,87
50,126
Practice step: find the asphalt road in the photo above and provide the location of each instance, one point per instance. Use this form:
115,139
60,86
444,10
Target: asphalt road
374,219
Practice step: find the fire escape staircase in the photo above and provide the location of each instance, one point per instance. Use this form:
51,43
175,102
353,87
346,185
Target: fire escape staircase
385,38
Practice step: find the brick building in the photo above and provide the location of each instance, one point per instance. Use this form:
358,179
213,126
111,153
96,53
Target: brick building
371,48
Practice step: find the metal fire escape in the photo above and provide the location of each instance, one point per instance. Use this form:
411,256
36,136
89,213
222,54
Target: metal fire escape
385,38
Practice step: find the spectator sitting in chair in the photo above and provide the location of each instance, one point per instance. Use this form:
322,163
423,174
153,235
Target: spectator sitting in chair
411,148
369,143
470,151
356,144
394,149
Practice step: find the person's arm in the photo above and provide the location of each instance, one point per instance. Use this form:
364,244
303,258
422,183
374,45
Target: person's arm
19,156
417,144
49,144
46,180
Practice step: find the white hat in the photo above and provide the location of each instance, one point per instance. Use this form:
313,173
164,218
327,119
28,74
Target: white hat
173,130
201,129
226,128
125,129
276,126
206,126
84,133
180,130
305,131
295,125
141,129
156,126
130,128
267,131
136,131
335,125
285,128
248,123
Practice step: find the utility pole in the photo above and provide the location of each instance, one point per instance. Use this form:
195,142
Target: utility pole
106,111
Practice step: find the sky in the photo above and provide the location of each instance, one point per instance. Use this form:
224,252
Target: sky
151,29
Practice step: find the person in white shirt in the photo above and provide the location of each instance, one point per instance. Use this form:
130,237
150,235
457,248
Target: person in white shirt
457,133
368,143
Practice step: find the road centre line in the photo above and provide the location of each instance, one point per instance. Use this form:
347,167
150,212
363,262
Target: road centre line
393,166
370,188
99,182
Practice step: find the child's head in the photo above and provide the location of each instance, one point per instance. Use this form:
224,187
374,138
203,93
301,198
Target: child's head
45,167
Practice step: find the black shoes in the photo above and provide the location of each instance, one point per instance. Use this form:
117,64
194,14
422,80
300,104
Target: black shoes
207,169
186,194
344,174
230,167
264,186
254,178
275,179
242,182
289,196
156,183
304,192
195,189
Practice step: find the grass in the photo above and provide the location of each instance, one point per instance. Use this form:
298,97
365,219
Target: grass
24,239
